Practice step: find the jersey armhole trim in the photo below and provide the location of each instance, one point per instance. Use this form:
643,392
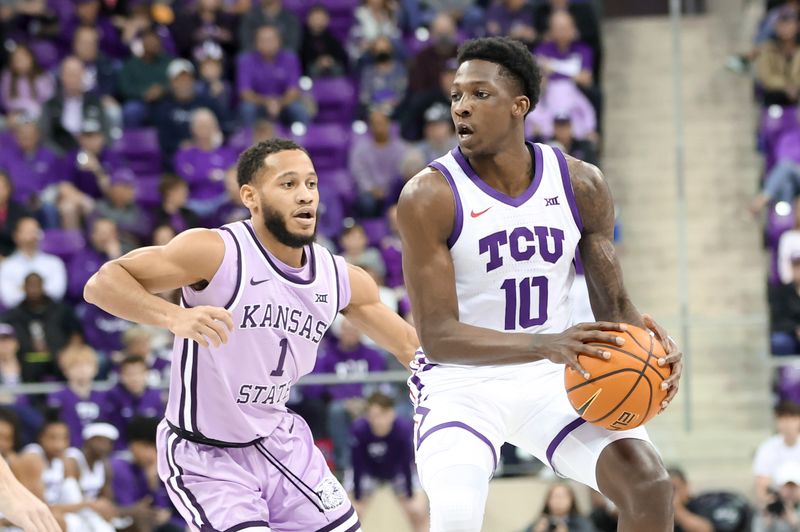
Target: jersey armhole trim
570,193
458,223
336,276
239,274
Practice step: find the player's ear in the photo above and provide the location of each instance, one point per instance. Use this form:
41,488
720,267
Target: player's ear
521,106
248,195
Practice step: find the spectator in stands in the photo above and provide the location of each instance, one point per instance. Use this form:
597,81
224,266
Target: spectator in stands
93,461
382,452
11,212
687,517
777,66
24,84
430,61
412,115
78,405
101,330
564,139
136,483
267,81
10,441
777,450
10,369
138,342
120,206
560,512
373,19
63,115
562,97
563,56
233,209
88,14
203,22
104,245
132,397
384,79
785,337
173,210
162,235
355,249
99,71
321,53
269,13
26,259
347,356
375,162
782,512
174,112
143,80
789,246
391,251
202,164
93,161
583,13
512,18
212,83
438,135
31,165
43,327
782,183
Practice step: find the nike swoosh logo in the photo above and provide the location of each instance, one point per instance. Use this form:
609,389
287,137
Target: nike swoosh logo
476,214
585,406
253,282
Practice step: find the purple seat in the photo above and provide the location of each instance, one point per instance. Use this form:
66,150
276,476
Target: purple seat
140,149
775,121
147,192
376,229
63,243
335,99
331,213
46,53
243,138
342,183
327,144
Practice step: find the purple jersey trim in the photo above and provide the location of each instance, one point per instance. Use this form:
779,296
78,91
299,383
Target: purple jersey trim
551,449
460,425
499,196
246,525
239,259
193,351
458,223
336,274
562,165
339,522
286,275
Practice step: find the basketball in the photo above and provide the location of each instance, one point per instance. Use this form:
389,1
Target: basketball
624,391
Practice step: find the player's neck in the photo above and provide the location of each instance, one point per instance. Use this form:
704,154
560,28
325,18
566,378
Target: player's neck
286,254
508,171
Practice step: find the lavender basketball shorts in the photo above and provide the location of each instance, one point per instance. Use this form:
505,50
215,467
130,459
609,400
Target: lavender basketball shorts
280,483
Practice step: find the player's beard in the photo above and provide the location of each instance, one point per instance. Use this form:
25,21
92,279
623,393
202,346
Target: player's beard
276,224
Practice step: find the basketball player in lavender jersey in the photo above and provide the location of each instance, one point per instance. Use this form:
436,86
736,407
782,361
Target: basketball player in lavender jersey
258,296
489,235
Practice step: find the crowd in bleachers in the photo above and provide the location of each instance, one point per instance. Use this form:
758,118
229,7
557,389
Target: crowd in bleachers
120,125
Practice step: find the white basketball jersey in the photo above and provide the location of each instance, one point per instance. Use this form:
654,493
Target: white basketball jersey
92,479
514,257
53,475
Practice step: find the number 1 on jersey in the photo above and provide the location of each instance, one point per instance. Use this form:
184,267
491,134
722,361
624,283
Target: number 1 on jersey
523,310
278,372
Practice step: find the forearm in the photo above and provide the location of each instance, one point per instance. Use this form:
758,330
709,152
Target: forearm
114,290
387,329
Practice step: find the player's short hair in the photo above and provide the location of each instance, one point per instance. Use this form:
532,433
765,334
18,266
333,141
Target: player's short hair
786,409
130,360
9,416
513,58
251,161
380,399
142,429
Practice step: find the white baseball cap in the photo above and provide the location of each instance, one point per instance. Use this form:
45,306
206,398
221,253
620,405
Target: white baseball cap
105,430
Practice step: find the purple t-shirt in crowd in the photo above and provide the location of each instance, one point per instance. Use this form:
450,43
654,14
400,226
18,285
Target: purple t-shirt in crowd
30,174
382,458
101,330
566,64
76,411
358,361
85,181
204,171
121,406
788,146
392,254
129,482
267,78
81,266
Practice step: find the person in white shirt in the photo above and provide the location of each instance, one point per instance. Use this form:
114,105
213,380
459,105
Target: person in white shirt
780,449
28,258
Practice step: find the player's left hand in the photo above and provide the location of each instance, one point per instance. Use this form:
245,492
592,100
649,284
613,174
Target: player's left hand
674,358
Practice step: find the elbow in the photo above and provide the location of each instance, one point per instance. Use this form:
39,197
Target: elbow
436,342
93,287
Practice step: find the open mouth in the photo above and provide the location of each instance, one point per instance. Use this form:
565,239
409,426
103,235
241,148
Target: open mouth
305,214
463,130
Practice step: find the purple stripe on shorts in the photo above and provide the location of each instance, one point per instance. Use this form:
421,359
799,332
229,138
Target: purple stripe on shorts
330,526
179,480
565,180
496,194
354,527
460,425
458,223
551,449
248,524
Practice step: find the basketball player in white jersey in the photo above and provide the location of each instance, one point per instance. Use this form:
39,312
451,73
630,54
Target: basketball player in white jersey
489,235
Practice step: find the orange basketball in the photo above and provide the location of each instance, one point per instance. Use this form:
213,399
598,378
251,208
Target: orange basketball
624,391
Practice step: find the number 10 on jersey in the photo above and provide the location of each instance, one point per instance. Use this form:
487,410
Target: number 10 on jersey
520,302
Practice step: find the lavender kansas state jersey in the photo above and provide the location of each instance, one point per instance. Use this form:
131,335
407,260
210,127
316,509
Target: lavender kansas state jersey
513,257
236,393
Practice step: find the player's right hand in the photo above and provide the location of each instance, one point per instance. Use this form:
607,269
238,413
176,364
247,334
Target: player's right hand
564,348
205,325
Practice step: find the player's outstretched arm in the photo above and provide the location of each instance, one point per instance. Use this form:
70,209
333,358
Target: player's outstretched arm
425,215
126,287
21,507
378,321
607,292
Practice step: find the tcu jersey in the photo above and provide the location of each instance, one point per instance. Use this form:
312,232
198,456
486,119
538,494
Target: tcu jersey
232,394
513,257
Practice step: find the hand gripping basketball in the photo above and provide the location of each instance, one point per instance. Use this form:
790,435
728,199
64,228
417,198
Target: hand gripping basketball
202,324
582,339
